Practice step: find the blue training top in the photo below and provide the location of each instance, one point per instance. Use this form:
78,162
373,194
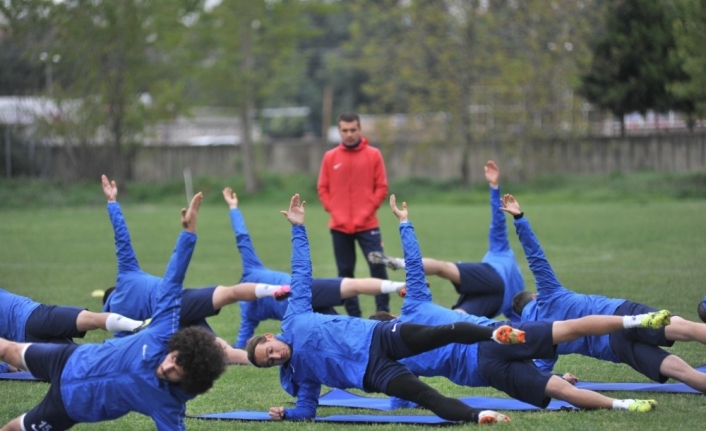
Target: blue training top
501,257
106,381
457,362
555,302
326,349
14,312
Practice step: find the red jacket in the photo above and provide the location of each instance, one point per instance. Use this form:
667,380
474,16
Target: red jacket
352,185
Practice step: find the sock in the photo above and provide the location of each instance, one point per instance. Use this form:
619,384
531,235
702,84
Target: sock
388,286
399,261
622,404
263,290
117,323
633,321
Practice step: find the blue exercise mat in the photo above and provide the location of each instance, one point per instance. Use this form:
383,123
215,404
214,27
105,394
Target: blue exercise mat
341,398
20,375
642,387
363,419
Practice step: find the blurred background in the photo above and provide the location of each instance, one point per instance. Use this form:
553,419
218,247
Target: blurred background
145,90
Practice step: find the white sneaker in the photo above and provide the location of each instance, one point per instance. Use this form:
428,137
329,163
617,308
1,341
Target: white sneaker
490,417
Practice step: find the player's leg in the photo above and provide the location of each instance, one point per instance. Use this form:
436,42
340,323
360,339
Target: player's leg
369,286
422,338
569,330
12,353
676,368
442,269
112,322
560,389
225,295
685,330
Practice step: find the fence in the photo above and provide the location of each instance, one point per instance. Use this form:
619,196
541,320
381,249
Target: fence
521,160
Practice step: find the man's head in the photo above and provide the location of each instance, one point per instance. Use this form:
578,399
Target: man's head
107,293
349,128
702,310
194,362
520,300
383,316
267,351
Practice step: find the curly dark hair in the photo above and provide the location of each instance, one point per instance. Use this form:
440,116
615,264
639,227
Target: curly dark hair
520,300
250,348
382,316
201,357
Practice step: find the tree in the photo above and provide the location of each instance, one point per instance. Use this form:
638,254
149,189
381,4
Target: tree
690,34
633,63
116,68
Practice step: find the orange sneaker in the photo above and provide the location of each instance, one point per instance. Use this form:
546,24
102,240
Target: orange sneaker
487,417
282,293
402,291
508,335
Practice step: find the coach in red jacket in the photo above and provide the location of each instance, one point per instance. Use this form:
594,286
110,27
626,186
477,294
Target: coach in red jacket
352,185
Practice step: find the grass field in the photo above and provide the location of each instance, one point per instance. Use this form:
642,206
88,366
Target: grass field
648,251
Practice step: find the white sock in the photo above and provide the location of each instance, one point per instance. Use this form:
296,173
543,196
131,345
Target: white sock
389,286
622,404
263,290
633,321
399,261
117,323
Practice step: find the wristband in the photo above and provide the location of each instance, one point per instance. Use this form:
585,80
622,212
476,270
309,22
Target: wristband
518,216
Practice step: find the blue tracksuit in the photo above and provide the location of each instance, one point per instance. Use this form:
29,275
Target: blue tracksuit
457,362
501,257
555,302
14,312
329,350
106,381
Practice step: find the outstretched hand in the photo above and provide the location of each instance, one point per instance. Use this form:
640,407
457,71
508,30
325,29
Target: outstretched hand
295,215
188,217
230,197
110,190
510,205
401,214
492,174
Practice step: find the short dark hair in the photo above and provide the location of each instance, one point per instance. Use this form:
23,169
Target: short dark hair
250,348
201,357
520,300
349,117
107,294
382,316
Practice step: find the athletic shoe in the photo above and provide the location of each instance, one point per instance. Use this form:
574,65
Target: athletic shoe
282,293
402,291
656,319
487,417
377,258
508,335
642,406
143,326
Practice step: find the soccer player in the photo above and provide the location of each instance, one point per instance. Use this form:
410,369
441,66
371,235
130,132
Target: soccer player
348,352
507,368
134,291
326,292
26,321
153,372
485,288
638,348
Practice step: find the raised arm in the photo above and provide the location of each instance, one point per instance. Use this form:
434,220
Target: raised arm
544,276
170,289
127,261
497,235
300,299
248,255
416,281
247,326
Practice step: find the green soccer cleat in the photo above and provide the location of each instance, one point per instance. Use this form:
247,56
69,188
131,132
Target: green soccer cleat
642,406
143,326
656,319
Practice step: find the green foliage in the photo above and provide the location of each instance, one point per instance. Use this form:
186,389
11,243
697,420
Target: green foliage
650,252
690,33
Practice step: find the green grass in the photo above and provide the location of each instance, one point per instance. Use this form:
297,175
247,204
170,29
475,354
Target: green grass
646,250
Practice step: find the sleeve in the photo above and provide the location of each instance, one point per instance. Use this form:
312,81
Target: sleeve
248,256
300,296
544,276
165,318
399,403
415,278
247,327
307,402
381,187
127,261
170,418
546,364
497,235
322,184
